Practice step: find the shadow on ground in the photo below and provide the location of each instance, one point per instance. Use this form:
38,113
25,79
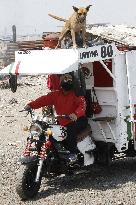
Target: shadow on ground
99,178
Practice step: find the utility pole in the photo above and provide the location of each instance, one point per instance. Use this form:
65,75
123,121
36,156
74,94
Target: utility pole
14,33
13,77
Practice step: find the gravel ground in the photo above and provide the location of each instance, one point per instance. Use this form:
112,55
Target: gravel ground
100,186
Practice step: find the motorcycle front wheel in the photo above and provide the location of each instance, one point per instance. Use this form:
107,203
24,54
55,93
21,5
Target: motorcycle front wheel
27,187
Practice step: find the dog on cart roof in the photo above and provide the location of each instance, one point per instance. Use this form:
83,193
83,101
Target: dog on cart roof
76,23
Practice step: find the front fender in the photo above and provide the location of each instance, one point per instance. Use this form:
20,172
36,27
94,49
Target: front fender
28,159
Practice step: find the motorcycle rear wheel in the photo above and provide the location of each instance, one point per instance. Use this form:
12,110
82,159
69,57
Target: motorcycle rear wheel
26,186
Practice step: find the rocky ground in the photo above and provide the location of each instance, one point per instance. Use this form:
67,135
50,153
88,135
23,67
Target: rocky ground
102,186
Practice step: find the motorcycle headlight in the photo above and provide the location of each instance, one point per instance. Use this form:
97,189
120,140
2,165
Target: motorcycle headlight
35,130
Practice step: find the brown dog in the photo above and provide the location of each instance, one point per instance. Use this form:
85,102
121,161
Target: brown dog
76,23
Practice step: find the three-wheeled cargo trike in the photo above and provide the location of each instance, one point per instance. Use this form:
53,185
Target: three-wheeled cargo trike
106,77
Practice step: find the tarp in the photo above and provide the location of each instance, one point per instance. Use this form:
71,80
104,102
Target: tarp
43,62
57,61
9,69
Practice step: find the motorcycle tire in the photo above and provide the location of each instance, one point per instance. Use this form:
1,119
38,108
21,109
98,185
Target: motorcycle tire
26,186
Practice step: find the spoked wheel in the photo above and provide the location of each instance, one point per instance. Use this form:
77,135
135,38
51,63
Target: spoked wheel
26,187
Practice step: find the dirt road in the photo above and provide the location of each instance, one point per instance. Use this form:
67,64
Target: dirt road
104,186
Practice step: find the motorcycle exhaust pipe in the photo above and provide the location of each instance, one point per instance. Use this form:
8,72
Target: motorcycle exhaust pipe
39,170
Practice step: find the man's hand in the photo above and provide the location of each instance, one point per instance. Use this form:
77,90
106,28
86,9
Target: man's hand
27,107
73,117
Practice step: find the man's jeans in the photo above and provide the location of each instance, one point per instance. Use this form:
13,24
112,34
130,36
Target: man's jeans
73,129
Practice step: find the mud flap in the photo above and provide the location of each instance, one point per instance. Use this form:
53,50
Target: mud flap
104,152
13,82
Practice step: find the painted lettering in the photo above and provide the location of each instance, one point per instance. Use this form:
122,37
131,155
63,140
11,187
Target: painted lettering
106,51
89,54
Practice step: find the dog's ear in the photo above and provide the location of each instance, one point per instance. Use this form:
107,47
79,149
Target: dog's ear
75,8
88,7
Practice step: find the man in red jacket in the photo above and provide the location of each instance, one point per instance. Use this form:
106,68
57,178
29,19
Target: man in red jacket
66,103
53,82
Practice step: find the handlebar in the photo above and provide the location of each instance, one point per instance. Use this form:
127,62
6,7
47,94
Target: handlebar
62,116
29,111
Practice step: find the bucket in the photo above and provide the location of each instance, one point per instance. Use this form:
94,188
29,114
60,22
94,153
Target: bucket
51,40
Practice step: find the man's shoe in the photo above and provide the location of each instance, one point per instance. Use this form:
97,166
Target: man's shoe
88,159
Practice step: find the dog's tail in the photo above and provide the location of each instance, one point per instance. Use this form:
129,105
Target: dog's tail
58,18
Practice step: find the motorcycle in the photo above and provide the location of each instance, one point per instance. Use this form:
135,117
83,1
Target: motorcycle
45,155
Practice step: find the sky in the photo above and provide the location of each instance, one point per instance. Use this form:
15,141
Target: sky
31,16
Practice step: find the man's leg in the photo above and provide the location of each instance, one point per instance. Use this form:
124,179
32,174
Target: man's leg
73,130
70,141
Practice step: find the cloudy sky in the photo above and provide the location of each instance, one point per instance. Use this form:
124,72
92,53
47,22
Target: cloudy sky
31,16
